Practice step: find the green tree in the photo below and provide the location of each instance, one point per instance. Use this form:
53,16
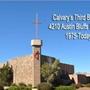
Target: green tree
50,72
6,74
45,71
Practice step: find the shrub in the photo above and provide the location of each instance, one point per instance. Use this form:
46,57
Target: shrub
21,86
65,88
29,87
44,86
13,88
13,84
1,87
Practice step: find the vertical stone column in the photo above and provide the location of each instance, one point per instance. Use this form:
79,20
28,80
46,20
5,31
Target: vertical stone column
36,52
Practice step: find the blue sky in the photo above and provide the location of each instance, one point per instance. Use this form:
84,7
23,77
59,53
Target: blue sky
17,30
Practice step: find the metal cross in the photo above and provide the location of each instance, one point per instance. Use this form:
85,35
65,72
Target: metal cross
37,22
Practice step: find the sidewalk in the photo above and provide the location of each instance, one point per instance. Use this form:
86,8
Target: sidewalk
84,88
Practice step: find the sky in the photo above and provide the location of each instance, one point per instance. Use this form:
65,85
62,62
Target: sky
17,30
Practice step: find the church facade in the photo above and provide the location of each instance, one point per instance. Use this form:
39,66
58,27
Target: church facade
26,69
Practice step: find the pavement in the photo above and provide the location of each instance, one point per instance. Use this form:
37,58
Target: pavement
84,88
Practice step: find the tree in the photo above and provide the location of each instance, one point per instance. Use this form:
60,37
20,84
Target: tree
6,74
45,72
50,72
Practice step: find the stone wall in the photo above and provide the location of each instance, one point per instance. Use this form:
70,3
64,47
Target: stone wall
26,69
22,69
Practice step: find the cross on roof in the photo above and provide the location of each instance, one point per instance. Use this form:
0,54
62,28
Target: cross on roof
37,22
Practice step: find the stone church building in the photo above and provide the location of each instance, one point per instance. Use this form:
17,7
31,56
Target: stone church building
26,69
